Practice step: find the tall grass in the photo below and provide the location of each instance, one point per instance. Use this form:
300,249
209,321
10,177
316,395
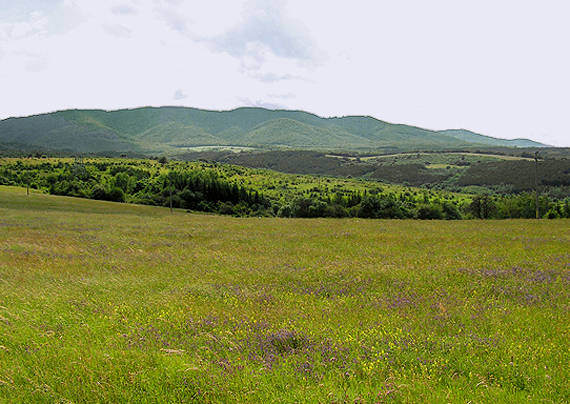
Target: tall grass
103,302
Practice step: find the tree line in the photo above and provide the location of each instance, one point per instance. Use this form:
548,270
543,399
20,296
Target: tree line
200,188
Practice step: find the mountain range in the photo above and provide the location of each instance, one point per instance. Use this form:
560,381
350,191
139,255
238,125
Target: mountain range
153,130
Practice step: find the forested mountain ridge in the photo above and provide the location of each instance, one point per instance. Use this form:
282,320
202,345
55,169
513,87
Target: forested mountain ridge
168,129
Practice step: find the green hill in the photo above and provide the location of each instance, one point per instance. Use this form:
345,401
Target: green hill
168,129
473,137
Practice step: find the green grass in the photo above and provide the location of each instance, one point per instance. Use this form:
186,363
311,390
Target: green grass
103,302
442,157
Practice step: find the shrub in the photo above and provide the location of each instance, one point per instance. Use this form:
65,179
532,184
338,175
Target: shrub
429,212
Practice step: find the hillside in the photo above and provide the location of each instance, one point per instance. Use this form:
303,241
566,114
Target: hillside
171,129
453,171
473,137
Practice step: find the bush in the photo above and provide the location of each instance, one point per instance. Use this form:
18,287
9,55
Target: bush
226,208
429,212
116,194
450,211
285,211
101,193
552,214
381,207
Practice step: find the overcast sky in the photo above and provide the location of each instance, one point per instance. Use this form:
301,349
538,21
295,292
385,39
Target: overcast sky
498,67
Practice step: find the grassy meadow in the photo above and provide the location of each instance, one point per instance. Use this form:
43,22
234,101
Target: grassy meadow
109,302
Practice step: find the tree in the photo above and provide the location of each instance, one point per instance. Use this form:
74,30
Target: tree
429,212
482,206
122,181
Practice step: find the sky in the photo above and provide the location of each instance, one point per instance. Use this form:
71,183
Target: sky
501,68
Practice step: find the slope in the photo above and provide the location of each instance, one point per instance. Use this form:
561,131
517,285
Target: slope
473,137
164,129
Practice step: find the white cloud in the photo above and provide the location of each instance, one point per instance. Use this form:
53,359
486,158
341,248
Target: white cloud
260,103
179,95
124,9
271,77
173,20
266,29
286,96
32,62
22,19
117,30
269,44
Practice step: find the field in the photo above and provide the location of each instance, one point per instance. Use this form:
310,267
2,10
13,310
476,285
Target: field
452,171
442,157
233,149
108,302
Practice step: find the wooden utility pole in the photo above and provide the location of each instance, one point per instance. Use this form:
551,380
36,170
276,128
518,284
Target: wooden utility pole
536,184
170,191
